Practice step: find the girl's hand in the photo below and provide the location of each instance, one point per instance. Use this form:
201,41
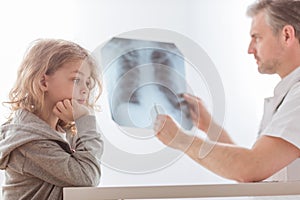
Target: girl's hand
70,110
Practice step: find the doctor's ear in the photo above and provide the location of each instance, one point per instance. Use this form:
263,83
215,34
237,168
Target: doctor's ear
44,83
288,33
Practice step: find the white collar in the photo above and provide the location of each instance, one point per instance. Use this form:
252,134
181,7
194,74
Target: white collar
287,82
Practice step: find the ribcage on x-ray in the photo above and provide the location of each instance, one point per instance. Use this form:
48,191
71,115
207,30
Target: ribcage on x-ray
164,74
128,80
142,74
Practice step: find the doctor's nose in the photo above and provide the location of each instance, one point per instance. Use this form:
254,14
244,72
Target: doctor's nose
251,49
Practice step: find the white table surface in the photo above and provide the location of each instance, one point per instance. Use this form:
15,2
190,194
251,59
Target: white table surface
184,191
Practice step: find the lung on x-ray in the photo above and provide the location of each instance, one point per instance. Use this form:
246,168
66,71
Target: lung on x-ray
142,75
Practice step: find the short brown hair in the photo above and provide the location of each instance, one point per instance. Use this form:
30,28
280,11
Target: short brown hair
279,13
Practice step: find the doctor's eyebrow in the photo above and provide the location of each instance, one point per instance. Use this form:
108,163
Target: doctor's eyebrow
254,35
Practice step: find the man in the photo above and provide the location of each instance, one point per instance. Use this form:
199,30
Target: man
275,34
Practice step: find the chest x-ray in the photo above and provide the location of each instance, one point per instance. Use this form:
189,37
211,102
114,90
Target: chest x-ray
140,74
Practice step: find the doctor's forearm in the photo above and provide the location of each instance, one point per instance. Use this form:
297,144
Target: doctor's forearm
216,133
226,160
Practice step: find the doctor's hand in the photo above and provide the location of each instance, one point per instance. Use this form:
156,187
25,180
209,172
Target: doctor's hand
169,133
70,110
198,112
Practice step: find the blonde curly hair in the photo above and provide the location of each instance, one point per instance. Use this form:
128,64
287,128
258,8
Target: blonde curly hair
46,56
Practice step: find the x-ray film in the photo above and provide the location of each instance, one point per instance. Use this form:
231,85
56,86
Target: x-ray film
144,78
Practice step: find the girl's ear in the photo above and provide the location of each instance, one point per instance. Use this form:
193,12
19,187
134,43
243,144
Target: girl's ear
43,83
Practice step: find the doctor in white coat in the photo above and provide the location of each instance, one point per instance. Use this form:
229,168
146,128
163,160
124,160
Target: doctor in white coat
275,35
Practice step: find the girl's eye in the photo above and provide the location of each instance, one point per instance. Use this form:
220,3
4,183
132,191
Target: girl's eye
76,80
88,84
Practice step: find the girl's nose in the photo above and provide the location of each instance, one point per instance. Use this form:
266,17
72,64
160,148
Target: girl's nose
84,89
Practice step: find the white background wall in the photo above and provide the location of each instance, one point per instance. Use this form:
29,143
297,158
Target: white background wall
220,27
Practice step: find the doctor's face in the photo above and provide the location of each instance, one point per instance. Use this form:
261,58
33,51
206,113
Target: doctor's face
265,45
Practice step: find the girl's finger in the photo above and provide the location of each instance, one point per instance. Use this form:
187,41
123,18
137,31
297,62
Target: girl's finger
68,104
60,106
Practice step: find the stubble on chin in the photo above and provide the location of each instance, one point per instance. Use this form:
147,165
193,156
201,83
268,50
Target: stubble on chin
266,68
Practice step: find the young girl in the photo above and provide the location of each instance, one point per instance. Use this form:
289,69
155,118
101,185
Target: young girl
51,140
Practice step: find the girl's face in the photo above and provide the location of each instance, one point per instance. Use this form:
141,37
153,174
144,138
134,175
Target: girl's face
71,81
